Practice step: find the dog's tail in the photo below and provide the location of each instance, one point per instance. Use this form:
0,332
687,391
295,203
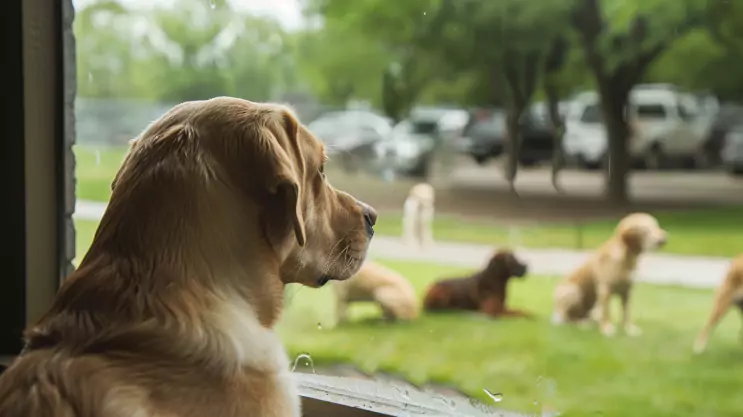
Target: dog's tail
41,383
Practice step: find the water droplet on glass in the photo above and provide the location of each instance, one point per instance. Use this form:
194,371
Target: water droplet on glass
212,4
497,397
424,13
319,326
306,359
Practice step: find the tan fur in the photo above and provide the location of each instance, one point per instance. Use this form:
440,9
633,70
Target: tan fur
217,205
418,212
374,282
727,295
609,271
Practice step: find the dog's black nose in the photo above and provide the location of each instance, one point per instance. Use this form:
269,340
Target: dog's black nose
369,214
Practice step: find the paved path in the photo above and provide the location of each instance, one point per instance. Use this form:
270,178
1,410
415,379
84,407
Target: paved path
691,271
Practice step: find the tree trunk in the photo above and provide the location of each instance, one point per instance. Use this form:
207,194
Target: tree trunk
513,145
617,170
558,130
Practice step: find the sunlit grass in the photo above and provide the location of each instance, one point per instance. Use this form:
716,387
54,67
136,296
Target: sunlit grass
572,370
653,375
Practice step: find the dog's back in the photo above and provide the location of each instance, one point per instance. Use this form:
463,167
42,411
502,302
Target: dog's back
453,294
375,282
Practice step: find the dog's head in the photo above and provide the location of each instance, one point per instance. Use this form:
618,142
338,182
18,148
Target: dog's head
640,232
269,169
504,265
424,193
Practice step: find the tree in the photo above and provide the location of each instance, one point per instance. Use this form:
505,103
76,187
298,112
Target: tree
618,53
104,50
339,64
186,66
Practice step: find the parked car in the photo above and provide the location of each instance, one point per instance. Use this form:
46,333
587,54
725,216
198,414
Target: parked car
350,136
484,136
666,127
724,120
732,150
407,150
584,143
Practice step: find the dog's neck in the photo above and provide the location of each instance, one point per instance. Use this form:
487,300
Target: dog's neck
193,276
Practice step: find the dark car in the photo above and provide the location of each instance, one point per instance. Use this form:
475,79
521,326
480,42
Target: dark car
727,119
484,137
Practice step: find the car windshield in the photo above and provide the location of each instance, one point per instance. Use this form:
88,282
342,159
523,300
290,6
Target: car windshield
651,111
592,114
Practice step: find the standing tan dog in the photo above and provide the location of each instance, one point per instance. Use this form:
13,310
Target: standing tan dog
393,293
484,292
728,294
609,271
218,204
417,220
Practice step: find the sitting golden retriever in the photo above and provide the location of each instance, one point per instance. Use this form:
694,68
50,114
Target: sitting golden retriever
728,294
483,292
393,293
217,205
609,271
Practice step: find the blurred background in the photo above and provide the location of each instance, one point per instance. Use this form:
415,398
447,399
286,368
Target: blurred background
539,123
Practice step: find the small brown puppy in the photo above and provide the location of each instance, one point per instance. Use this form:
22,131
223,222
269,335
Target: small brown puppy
218,204
484,291
728,294
608,271
391,291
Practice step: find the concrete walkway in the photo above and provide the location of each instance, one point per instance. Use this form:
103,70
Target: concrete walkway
658,268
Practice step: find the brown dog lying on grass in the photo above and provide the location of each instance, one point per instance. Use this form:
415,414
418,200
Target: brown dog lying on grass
728,294
484,292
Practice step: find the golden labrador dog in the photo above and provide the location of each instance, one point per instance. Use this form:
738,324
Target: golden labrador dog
417,218
728,294
217,206
393,293
609,271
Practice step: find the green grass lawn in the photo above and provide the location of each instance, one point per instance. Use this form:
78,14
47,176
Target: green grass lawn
714,232
574,370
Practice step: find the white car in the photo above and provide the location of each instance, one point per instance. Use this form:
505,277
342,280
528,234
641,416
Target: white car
666,125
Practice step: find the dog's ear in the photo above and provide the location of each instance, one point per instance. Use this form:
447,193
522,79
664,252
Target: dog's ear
285,170
632,237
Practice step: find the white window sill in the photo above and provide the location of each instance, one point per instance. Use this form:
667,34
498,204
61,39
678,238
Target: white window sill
349,397
324,396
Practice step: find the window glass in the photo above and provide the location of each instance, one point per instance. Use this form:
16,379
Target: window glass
411,92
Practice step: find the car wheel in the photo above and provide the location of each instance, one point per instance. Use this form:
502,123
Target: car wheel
529,162
736,170
480,159
584,163
654,158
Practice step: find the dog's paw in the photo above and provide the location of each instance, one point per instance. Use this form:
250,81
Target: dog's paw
632,330
608,330
699,346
